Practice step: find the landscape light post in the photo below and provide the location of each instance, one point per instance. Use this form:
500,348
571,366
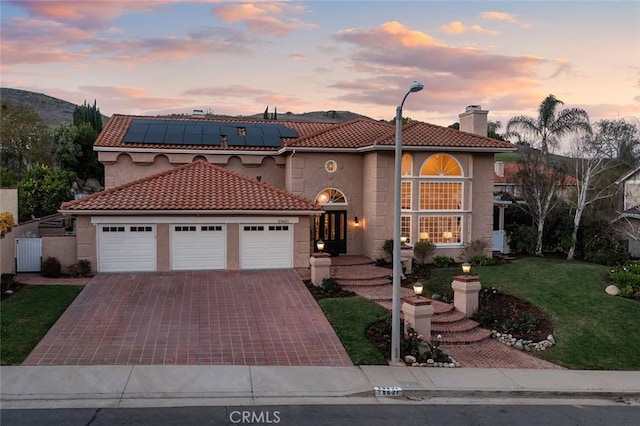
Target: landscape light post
397,266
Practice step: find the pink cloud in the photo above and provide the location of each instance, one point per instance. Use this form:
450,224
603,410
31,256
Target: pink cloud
500,16
458,27
232,91
268,18
392,45
128,100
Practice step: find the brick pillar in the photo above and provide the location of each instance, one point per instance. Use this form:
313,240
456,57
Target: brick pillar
320,267
417,312
465,293
406,255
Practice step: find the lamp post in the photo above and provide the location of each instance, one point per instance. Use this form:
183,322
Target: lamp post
397,266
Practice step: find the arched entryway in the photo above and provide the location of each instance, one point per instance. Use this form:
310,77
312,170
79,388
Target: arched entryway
331,226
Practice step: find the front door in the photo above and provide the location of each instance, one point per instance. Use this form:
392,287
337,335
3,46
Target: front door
331,227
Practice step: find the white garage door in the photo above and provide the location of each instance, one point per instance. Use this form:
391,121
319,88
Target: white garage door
198,246
266,246
126,248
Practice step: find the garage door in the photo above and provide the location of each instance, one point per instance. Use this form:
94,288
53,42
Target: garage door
196,247
266,246
126,248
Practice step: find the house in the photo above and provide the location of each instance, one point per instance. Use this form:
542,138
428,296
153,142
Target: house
628,220
199,193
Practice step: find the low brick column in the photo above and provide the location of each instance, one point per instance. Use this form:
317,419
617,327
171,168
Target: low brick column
417,312
466,289
320,267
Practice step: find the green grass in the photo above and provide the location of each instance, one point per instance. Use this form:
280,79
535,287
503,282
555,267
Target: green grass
593,330
26,317
350,318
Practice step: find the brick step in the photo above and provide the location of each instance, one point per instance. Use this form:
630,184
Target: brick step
453,327
349,260
461,338
441,307
377,293
373,282
362,272
448,317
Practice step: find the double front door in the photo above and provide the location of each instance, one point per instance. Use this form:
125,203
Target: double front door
331,228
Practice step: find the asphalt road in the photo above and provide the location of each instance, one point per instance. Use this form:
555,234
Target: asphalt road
370,415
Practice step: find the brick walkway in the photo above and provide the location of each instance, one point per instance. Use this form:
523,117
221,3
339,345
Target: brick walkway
190,318
492,354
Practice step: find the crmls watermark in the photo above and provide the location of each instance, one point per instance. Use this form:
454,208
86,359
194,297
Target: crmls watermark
255,417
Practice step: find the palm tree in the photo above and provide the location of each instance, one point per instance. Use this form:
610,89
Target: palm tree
538,178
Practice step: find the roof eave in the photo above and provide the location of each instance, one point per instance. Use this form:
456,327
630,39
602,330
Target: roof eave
192,212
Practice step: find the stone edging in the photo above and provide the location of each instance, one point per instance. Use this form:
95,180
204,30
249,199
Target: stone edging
524,345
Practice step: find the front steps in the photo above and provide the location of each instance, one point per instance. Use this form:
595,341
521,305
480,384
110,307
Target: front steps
360,275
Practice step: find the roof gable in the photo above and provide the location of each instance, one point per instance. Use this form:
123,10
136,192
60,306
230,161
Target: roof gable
194,186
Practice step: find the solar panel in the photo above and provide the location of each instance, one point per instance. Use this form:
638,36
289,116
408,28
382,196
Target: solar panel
196,132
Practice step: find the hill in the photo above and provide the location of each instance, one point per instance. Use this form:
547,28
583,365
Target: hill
52,111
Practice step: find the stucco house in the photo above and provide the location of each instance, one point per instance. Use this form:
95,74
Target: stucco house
198,193
628,220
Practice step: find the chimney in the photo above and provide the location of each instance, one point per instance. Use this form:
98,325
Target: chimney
498,168
197,113
474,120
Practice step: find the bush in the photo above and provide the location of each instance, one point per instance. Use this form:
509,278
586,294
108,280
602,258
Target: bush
84,268
330,286
475,248
423,249
6,221
443,261
388,247
627,279
605,250
51,267
482,260
522,238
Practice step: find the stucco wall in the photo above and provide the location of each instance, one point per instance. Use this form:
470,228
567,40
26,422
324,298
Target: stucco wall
632,191
86,239
233,246
8,245
163,247
482,200
62,247
301,242
121,168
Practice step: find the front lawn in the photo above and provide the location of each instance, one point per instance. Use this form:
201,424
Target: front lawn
26,316
350,318
592,329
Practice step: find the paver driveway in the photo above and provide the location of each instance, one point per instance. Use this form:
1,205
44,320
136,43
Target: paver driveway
189,318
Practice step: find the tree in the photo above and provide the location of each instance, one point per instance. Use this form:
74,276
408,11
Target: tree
538,176
618,139
405,120
88,114
492,130
73,150
265,114
24,139
42,190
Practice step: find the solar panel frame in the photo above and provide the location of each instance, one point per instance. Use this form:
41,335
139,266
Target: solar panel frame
236,140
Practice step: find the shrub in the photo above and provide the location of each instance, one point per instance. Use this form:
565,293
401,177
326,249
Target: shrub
51,267
6,221
482,260
423,249
605,250
388,247
521,322
84,267
475,248
330,286
443,261
627,279
522,238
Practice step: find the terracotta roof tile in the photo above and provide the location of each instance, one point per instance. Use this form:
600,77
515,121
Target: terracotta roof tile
351,134
194,186
512,169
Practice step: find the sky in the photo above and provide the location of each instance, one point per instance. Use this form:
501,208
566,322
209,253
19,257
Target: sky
238,58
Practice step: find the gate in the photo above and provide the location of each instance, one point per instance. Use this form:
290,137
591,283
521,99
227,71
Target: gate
28,254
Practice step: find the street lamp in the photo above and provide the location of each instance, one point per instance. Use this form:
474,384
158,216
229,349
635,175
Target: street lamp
397,266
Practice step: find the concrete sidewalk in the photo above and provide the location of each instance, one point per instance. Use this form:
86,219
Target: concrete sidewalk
164,386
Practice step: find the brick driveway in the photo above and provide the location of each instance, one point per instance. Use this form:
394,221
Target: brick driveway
191,318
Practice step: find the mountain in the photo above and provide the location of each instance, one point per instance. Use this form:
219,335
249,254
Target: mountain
52,111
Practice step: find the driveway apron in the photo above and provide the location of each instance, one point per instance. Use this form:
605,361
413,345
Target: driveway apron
265,317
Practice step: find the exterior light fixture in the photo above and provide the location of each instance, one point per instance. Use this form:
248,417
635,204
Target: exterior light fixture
403,239
466,268
355,222
397,264
424,236
447,235
417,288
320,245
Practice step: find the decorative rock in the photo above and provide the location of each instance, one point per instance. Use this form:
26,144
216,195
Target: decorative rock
423,364
436,296
8,292
452,365
519,345
551,339
457,364
410,359
612,290
430,361
415,364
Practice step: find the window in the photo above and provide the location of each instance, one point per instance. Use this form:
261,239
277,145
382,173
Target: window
441,229
405,227
254,228
407,165
440,195
331,196
185,228
405,195
441,165
113,229
211,228
279,228
331,166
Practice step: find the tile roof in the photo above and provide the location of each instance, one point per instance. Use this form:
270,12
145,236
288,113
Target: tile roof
511,170
193,186
113,133
358,133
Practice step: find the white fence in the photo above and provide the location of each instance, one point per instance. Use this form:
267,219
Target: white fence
498,241
28,254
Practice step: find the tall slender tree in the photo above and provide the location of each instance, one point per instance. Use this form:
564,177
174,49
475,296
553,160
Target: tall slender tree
543,134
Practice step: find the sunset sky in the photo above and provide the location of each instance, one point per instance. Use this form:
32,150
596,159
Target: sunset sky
154,57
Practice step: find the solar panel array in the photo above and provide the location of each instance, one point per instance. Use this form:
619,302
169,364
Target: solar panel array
207,133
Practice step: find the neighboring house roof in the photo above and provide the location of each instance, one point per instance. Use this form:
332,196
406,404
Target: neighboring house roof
627,175
354,134
632,213
511,170
193,187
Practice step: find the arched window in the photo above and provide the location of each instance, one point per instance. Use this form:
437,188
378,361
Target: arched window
407,165
331,196
441,165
